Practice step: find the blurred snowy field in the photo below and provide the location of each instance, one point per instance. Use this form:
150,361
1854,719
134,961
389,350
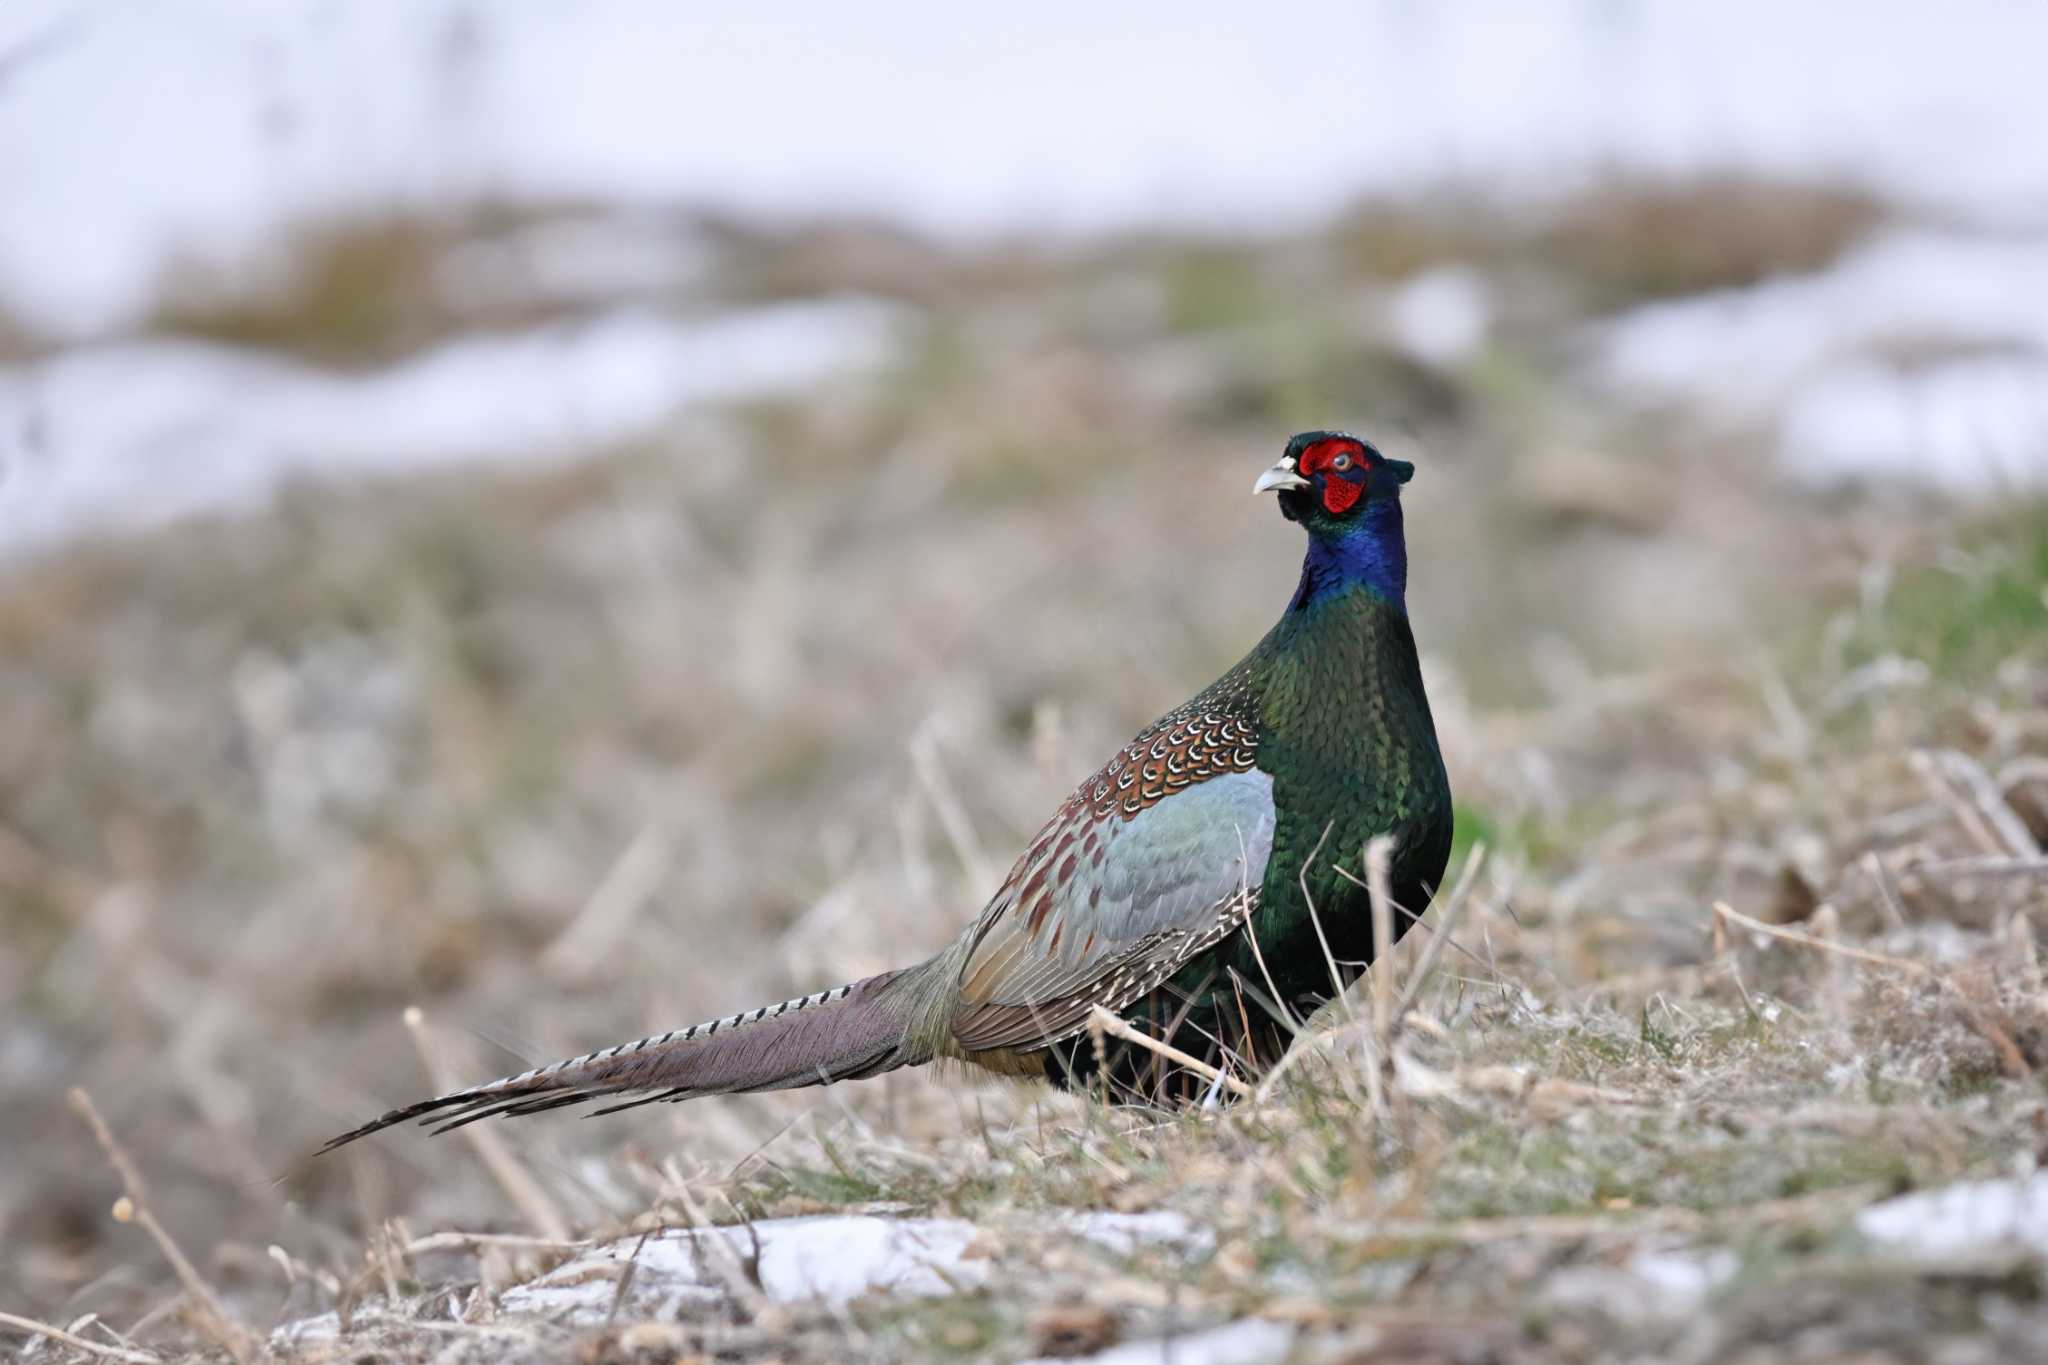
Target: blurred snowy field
134,434
142,145
1919,355
129,129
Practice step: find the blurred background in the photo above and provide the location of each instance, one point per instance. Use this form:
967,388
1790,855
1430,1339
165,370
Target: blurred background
589,518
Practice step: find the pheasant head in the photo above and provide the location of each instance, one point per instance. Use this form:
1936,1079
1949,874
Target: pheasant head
1348,497
1330,476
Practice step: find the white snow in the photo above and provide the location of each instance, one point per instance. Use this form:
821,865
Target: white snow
1125,1234
1250,1342
129,132
1977,425
1962,1220
1442,315
135,139
833,1258
1651,1285
1748,347
1683,1279
1922,355
132,434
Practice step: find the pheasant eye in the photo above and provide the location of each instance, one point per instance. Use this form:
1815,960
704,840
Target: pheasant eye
1342,462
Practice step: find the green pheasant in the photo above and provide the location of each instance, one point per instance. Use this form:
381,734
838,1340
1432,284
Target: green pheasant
1205,883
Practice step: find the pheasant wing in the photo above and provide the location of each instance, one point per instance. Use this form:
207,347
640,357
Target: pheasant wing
1155,858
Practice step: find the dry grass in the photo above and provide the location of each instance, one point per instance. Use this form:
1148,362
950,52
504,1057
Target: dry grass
1622,242
359,291
570,757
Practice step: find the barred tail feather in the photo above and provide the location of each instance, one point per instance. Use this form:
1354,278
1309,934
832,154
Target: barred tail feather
851,1031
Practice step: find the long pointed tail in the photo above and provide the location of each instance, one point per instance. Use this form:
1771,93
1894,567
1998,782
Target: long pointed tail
848,1032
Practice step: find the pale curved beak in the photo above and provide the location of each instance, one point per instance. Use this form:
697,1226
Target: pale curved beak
1281,475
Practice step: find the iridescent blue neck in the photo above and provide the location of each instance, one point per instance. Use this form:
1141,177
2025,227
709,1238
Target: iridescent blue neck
1367,550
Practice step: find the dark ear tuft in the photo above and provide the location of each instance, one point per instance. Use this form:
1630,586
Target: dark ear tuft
1401,470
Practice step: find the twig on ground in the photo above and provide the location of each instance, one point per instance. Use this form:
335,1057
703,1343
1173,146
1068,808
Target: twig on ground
1827,928
450,1241
743,1285
133,1206
1986,1024
1377,852
1103,1022
383,1246
1280,1009
1315,919
1440,933
151,1317
1990,801
1722,910
1982,1020
1933,776
1888,898
78,1343
626,1279
2022,953
1312,1043
1976,990
518,1183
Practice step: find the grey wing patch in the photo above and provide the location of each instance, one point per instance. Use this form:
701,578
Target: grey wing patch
1167,866
1171,881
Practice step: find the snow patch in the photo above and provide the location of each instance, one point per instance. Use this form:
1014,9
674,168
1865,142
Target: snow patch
1251,1342
1441,317
1684,1279
1651,1286
128,435
1961,1220
830,1258
1125,1234
1920,355
1977,425
1748,346
130,137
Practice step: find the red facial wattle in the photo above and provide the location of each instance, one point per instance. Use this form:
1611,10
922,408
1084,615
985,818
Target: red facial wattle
1340,492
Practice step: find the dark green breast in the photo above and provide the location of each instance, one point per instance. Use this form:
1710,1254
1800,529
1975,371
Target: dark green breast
1344,730
1346,734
